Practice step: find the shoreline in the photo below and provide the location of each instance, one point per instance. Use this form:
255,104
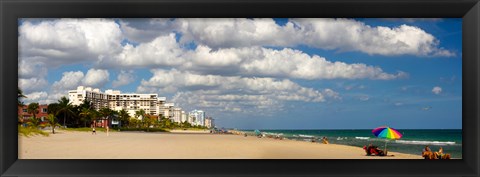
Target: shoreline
182,145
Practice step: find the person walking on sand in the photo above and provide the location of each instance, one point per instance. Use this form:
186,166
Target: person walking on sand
93,131
107,130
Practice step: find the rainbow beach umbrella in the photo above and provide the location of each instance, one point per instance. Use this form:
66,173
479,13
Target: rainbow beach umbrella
387,133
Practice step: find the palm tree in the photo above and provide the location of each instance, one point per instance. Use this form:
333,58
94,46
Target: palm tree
123,116
64,107
94,114
139,113
85,115
147,121
20,96
52,122
34,123
33,109
107,113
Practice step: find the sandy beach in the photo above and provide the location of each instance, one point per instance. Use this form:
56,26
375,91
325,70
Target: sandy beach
181,145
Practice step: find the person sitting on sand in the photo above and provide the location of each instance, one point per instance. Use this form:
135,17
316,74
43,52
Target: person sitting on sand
427,153
439,153
374,150
427,149
324,140
367,150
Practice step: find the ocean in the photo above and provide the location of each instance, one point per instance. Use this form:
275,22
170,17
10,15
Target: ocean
412,142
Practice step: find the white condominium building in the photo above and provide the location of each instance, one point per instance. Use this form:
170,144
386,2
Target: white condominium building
209,122
168,110
177,114
199,117
115,100
184,117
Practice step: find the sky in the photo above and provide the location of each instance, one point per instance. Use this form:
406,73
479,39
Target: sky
259,73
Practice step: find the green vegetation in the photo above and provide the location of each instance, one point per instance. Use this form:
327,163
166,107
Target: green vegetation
52,122
29,131
20,95
33,109
84,116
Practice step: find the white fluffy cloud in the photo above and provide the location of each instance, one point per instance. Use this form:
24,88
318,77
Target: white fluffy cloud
123,78
69,80
296,64
351,35
96,77
232,92
32,84
67,41
36,97
437,90
331,34
162,51
232,58
72,79
145,30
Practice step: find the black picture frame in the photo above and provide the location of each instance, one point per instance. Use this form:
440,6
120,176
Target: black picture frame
11,10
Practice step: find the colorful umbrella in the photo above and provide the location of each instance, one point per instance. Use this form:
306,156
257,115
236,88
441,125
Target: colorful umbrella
387,133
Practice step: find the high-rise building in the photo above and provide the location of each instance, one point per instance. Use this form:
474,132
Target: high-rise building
168,110
115,100
177,114
199,117
184,117
191,119
209,122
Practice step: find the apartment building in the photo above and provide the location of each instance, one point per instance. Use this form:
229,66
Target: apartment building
42,112
209,122
115,100
198,116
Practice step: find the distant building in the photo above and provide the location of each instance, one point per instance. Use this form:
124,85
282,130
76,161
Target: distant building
191,119
184,117
168,110
199,117
177,114
42,112
209,122
132,102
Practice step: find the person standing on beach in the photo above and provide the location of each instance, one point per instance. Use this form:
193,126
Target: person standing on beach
107,130
93,131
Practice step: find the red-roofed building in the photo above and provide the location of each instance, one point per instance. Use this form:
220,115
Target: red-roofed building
42,112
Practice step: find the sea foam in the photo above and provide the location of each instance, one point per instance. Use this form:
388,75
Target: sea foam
362,138
426,142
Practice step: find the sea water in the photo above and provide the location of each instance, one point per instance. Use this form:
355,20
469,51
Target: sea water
412,142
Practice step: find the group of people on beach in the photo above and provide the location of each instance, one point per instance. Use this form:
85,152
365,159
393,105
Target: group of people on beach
427,153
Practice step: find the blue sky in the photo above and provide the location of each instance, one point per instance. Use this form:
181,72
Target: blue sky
259,73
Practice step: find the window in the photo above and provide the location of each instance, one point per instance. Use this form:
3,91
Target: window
24,110
44,110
